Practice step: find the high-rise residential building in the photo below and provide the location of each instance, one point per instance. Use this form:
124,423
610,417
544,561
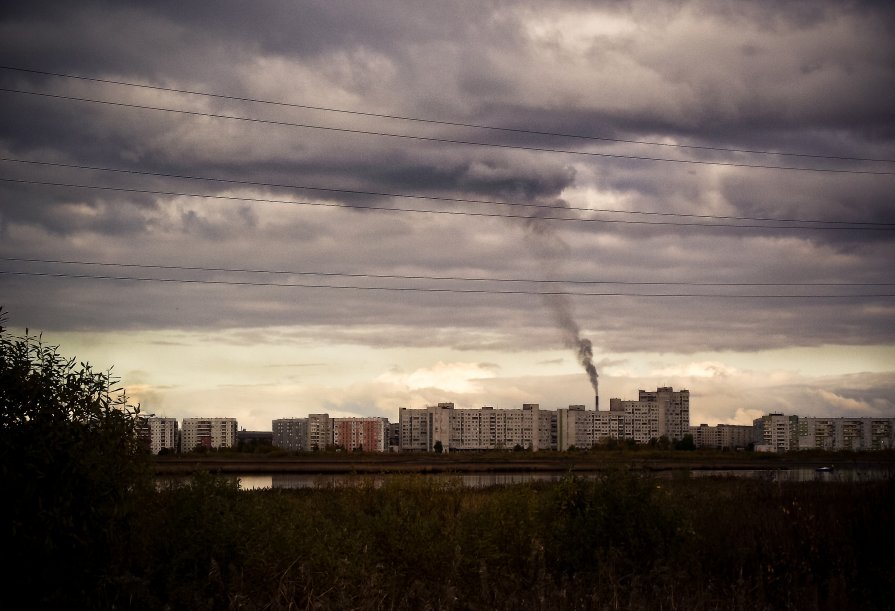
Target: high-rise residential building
291,434
723,436
211,433
775,433
780,433
665,412
415,430
367,434
486,428
845,433
320,432
580,428
158,433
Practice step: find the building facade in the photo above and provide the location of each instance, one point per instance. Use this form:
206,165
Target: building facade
724,436
845,433
210,433
449,429
665,412
775,433
291,434
361,434
158,433
442,426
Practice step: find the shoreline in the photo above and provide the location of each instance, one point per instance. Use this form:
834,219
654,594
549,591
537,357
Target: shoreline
482,464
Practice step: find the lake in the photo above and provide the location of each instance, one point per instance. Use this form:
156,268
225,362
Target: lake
485,480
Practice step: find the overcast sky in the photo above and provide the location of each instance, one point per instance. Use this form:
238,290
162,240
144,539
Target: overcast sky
264,210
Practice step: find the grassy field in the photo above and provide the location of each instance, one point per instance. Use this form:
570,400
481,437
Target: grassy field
624,540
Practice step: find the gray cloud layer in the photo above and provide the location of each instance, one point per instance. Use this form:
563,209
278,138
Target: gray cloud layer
807,77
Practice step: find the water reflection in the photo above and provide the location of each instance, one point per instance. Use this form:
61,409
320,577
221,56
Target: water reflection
485,480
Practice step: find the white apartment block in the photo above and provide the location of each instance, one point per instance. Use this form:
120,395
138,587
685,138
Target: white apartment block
320,432
473,429
664,412
158,433
723,436
673,410
211,433
781,433
415,430
775,433
846,433
582,429
654,414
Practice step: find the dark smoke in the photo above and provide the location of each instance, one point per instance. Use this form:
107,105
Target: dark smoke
561,308
552,251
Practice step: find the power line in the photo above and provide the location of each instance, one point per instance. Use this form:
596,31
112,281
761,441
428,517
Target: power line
441,278
819,224
433,290
444,122
448,140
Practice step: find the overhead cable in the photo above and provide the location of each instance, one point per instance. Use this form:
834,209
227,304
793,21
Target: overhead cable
817,223
437,278
443,122
449,140
435,290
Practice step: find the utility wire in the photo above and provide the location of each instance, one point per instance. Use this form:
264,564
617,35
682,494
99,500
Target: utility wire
821,224
439,278
433,290
451,141
442,122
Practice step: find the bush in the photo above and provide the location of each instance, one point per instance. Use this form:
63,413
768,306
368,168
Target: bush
71,469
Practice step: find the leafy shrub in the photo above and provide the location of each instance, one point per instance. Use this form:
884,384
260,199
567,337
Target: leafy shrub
71,470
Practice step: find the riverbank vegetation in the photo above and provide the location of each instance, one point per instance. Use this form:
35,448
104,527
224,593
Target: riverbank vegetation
620,541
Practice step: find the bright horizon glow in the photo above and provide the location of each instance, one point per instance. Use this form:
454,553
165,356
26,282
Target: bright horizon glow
183,374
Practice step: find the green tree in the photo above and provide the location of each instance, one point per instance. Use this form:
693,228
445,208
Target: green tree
438,447
686,443
72,472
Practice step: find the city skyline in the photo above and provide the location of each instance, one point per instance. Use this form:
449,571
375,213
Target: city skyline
315,208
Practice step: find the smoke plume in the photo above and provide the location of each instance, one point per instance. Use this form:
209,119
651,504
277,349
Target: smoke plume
561,308
552,252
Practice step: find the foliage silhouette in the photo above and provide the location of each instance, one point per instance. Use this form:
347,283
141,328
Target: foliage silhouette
72,472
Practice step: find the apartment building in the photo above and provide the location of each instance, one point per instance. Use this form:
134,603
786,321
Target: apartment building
210,433
775,433
723,436
665,412
581,428
485,428
320,432
291,434
845,433
158,433
367,434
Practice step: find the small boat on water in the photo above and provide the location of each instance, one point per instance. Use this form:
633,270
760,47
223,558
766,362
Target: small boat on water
824,469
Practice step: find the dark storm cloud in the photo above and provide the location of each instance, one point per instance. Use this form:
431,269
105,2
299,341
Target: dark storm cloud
808,77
